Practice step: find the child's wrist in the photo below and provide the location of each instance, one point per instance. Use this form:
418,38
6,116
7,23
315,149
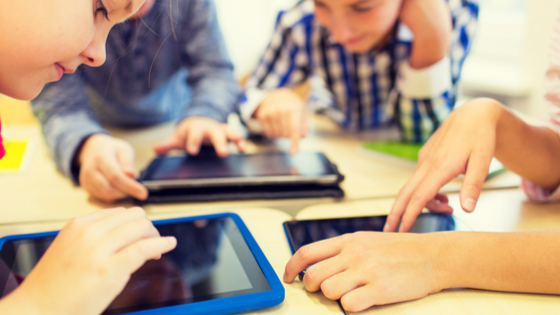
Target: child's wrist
427,51
22,302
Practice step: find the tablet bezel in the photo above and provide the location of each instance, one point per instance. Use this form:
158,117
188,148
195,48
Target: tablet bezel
290,240
227,305
328,179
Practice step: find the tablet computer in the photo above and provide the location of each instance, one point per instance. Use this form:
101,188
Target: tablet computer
206,170
300,233
216,268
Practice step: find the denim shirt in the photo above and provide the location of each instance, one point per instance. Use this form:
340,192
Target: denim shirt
169,65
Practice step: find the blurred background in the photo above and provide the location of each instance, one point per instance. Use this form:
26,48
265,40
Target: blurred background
508,61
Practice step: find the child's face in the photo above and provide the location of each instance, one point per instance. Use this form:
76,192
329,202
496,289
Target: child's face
41,39
358,25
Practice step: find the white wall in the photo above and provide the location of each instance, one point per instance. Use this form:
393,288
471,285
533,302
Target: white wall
510,53
247,26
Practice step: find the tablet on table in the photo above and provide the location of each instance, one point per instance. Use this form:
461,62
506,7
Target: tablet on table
272,168
216,268
304,232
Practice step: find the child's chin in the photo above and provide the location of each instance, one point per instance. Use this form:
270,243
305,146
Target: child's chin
25,93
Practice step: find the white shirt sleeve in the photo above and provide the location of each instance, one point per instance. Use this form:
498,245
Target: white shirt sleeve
427,83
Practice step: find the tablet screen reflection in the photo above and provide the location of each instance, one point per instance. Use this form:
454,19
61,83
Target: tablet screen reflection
205,265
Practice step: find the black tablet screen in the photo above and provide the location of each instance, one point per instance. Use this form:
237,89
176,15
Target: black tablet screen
304,232
257,165
212,260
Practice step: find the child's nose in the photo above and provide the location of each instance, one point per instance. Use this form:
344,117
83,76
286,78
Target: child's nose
341,31
95,54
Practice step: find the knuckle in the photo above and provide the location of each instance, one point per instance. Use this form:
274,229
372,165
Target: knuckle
141,250
472,187
75,223
303,253
312,275
113,178
418,197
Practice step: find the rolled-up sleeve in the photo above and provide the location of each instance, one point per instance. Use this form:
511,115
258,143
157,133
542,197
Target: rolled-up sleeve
203,52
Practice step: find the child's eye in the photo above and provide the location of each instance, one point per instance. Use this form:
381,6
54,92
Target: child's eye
101,9
362,9
319,4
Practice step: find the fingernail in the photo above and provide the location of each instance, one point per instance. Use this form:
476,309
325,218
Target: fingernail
469,204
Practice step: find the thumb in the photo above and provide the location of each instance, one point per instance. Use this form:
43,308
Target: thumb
477,170
167,145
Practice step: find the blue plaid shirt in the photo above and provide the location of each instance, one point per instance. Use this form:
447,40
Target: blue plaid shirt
366,90
169,65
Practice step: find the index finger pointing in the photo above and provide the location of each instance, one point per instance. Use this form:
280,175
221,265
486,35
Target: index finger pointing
295,133
425,192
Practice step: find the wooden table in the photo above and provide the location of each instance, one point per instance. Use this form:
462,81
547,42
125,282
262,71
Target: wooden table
501,210
42,193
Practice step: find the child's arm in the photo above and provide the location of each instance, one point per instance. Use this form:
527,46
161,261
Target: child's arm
367,268
465,144
284,64
215,92
427,76
67,119
82,149
88,264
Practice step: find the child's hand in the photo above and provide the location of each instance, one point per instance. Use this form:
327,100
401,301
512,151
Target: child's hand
192,132
368,268
107,169
282,114
464,144
430,22
90,262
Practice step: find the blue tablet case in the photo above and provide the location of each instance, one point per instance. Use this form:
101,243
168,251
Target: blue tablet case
228,305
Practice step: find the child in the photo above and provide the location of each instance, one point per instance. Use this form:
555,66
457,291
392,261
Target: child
366,269
168,63
92,258
373,63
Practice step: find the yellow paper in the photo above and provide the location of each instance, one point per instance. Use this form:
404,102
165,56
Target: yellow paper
15,152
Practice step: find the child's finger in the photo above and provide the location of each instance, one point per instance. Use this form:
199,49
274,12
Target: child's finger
219,141
295,133
233,136
100,187
194,140
125,157
425,192
477,170
167,145
315,275
117,219
437,206
286,124
311,254
362,298
118,179
126,234
403,198
131,258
